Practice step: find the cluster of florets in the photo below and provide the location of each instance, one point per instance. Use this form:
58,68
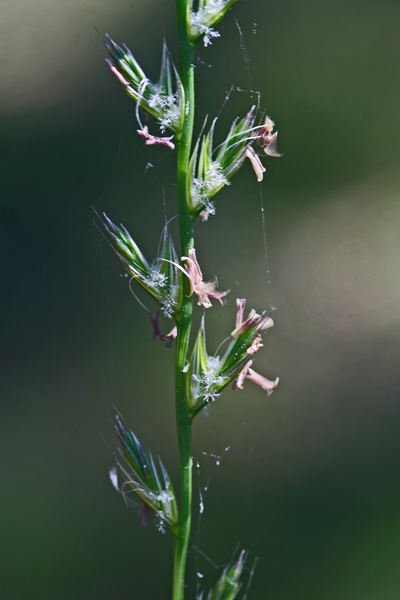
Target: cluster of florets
208,375
212,168
163,100
136,473
161,279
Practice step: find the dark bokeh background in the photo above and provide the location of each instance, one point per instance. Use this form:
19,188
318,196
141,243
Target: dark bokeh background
310,484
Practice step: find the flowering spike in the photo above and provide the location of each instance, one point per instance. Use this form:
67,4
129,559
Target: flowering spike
202,172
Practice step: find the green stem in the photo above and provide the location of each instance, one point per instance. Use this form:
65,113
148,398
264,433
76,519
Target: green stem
184,426
186,54
184,420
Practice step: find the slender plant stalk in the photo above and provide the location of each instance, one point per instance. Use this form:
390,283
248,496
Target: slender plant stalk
184,420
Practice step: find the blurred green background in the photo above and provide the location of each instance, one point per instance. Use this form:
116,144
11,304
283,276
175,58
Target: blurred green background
310,483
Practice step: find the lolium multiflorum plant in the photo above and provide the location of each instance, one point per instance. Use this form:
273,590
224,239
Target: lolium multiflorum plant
174,280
